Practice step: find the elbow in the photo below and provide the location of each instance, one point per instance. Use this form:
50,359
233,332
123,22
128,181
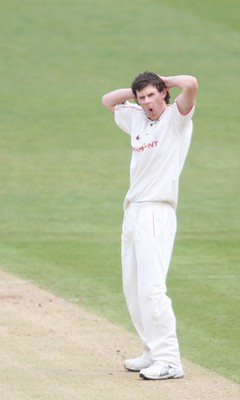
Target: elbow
191,86
106,103
104,100
193,83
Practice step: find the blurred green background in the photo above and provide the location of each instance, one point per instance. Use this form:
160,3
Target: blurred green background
64,164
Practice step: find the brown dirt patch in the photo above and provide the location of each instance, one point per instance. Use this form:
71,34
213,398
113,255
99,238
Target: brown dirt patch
53,349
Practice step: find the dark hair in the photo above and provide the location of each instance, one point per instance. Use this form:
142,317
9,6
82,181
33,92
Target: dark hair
149,78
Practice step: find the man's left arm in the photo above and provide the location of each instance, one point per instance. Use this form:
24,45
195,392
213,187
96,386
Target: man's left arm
188,86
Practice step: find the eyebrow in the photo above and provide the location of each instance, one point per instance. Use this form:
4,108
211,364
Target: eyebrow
149,94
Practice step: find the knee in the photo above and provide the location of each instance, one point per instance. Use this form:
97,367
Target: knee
153,291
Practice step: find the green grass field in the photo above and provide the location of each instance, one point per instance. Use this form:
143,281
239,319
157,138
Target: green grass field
64,164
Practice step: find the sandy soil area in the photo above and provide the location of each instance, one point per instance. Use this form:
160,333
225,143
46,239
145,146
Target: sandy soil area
53,349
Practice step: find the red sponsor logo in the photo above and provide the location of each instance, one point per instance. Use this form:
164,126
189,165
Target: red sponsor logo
146,146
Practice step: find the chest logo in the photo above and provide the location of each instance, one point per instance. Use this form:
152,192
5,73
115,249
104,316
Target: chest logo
146,146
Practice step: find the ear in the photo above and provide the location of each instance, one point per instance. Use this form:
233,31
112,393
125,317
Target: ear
164,93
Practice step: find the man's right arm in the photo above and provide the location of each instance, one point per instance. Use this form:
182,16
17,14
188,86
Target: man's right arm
118,96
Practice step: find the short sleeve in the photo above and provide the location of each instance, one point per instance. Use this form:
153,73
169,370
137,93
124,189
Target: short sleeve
123,116
181,122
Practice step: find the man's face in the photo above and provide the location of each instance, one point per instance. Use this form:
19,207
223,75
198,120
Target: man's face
151,101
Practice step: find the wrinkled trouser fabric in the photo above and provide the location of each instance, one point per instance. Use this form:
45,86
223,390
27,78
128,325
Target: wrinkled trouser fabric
148,235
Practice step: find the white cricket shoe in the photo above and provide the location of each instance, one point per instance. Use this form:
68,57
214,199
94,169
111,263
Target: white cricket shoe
157,371
137,364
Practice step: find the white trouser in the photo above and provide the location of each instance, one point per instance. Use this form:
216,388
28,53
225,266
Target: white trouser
147,241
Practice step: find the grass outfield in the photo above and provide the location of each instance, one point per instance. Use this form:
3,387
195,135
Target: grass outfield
64,165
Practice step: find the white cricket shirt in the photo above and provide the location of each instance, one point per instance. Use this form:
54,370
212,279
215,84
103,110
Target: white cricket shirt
159,150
